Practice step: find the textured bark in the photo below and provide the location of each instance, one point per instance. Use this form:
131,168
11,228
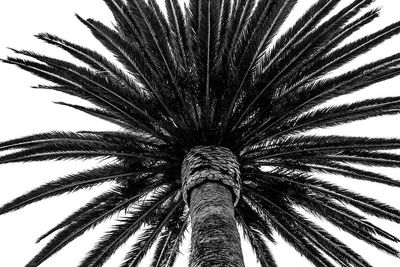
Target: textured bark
215,237
211,186
210,163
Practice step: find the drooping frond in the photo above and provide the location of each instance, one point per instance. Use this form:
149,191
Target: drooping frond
135,190
82,180
123,230
255,230
368,205
60,146
103,199
149,235
171,238
298,241
79,226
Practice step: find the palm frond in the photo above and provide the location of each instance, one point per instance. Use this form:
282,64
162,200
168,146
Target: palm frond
241,13
109,89
278,14
155,36
306,22
339,57
300,51
341,114
129,55
171,238
223,27
80,80
177,26
316,93
134,219
314,145
350,221
97,62
332,167
108,198
148,237
365,204
101,114
79,226
298,241
316,236
248,220
79,181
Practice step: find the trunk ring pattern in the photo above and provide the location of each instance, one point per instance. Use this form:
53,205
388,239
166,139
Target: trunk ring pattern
210,163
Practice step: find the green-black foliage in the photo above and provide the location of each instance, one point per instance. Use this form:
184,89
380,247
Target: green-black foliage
212,74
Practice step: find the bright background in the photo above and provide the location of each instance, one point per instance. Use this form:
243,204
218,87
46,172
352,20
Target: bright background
25,111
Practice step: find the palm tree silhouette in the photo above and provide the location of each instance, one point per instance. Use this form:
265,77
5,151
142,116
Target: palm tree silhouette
213,115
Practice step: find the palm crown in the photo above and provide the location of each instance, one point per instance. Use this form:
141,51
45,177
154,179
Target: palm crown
212,74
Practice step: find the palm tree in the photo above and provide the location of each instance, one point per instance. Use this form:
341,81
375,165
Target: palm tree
213,115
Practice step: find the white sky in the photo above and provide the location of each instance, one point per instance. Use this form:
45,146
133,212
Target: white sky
25,111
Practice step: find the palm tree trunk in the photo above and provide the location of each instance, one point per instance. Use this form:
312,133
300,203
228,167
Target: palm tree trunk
211,187
215,237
